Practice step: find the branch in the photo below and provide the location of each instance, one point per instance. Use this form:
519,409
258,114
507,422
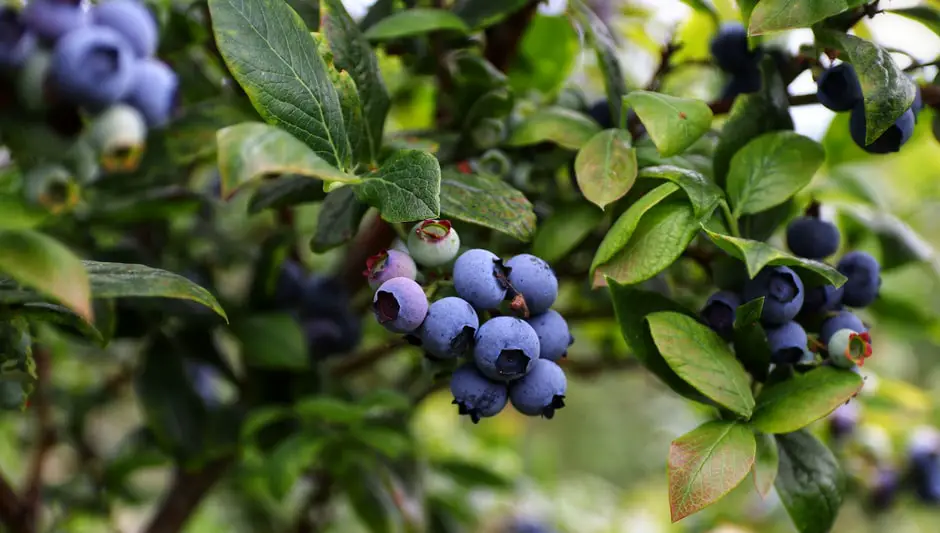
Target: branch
366,358
185,495
11,509
46,438
375,237
314,515
502,40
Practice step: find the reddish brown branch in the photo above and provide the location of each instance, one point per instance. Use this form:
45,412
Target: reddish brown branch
11,509
366,358
45,439
502,40
375,237
184,495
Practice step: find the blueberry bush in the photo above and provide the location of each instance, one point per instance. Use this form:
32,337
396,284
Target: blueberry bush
245,245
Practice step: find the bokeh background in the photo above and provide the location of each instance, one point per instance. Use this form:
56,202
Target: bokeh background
599,466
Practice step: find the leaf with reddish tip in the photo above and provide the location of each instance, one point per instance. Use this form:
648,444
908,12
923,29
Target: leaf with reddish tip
606,167
706,463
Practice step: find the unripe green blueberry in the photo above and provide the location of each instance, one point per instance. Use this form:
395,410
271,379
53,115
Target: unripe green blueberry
82,159
495,162
119,135
848,348
52,187
488,133
31,83
433,243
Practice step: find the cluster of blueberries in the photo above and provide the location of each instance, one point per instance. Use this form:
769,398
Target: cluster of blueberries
789,306
734,56
839,90
95,58
510,359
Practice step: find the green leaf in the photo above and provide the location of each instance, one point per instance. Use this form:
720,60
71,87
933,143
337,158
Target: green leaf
700,357
750,340
338,219
887,89
620,233
286,191
766,463
359,146
471,475
16,353
370,501
756,255
770,169
706,463
416,21
606,167
42,263
810,482
673,123
289,460
564,230
704,7
546,56
657,241
927,16
702,192
482,13
329,410
564,127
631,306
119,280
62,316
797,402
751,116
273,56
251,150
405,188
489,202
352,53
273,340
192,135
19,215
600,39
779,15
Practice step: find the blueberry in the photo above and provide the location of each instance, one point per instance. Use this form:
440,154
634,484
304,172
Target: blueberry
889,141
326,316
92,66
843,320
433,243
884,490
53,19
16,43
153,91
534,280
480,278
51,187
528,526
787,343
821,299
554,337
782,291
387,265
746,81
730,48
475,395
864,281
322,296
449,328
848,348
838,88
924,455
541,391
812,238
719,312
844,420
918,104
600,112
400,305
289,286
506,348
132,20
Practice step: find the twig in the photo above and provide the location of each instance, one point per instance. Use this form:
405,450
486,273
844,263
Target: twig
10,506
665,56
366,358
375,237
915,65
314,515
184,496
46,438
502,40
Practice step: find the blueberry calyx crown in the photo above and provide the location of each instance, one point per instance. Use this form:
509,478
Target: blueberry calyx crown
386,307
462,409
859,348
463,341
783,287
558,401
375,264
432,230
512,362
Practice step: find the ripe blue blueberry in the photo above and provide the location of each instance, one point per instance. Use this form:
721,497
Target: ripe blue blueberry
821,299
93,67
848,348
534,280
327,318
864,275
323,296
730,48
506,348
400,305
153,91
529,525
16,43
918,105
812,238
132,20
53,19
782,291
475,395
480,278
843,320
289,286
449,328
387,265
885,489
890,141
541,391
433,243
924,453
745,81
719,312
787,342
844,420
600,112
554,337
838,88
